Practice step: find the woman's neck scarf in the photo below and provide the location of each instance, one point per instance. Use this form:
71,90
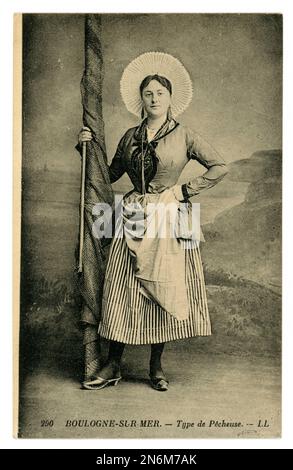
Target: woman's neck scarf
146,151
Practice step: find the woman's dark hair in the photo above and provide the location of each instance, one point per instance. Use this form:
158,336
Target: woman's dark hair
162,80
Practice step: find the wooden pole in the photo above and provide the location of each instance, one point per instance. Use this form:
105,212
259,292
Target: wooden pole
81,222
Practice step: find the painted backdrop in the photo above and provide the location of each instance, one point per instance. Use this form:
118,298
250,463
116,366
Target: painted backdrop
235,62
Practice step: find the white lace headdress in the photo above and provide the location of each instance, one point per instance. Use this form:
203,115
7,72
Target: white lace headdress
160,63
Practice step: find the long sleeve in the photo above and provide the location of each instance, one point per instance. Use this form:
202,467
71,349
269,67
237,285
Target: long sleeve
116,168
200,150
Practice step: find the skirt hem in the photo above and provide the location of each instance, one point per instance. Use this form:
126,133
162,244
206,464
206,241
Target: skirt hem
116,337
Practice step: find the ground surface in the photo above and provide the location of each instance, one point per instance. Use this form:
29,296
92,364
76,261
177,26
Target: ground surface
202,387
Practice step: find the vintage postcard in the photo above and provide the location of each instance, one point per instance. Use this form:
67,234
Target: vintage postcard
147,205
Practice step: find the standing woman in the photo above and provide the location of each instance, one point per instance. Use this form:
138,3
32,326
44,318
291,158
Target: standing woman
151,298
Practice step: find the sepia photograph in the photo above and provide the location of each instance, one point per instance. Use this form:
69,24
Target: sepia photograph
149,174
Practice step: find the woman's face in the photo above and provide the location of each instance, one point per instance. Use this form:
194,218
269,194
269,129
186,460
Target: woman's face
156,99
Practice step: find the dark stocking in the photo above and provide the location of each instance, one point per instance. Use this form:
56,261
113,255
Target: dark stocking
155,360
112,367
115,352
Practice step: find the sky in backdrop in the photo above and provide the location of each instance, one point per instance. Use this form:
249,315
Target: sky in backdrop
235,62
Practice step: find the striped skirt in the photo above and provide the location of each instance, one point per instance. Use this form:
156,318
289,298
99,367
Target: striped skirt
130,317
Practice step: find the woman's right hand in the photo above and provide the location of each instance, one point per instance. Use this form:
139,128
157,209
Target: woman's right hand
85,135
